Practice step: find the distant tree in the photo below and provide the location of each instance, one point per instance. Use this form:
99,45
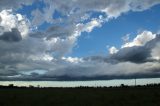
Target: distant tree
31,86
122,85
11,85
38,86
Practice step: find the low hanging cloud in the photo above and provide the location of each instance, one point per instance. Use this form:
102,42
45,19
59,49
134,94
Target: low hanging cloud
27,53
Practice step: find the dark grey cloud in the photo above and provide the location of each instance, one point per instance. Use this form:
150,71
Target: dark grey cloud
13,36
137,54
133,54
55,32
59,31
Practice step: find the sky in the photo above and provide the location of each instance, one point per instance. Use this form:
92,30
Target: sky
61,40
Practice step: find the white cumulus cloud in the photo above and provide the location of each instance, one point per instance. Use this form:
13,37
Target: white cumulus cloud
141,39
9,20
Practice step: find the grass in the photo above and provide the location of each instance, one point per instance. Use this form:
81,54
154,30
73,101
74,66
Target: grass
143,96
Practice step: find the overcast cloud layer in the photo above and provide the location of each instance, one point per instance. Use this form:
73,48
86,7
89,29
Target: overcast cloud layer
27,53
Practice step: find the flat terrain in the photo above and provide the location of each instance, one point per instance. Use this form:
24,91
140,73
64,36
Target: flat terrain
122,96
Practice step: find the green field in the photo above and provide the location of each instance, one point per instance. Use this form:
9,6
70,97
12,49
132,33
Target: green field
139,96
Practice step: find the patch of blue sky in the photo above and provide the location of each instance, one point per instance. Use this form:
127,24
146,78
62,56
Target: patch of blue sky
112,31
27,10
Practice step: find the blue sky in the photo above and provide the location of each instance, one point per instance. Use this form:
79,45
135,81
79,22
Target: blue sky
79,39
